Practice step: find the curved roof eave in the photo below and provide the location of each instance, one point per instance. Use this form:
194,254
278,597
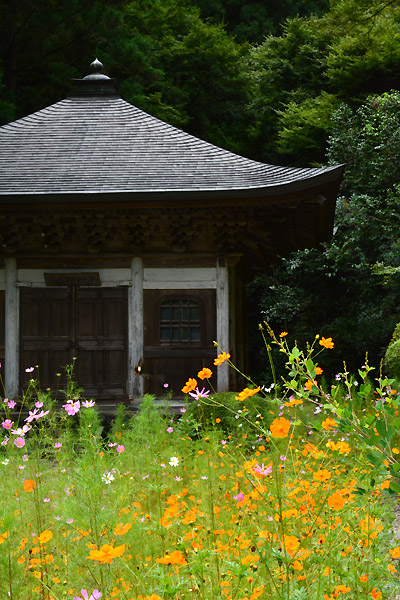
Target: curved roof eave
330,175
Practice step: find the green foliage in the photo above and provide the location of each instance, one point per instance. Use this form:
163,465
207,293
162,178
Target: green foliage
368,141
349,291
252,20
392,359
317,62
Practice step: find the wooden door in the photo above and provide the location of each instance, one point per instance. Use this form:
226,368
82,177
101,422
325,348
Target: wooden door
58,324
179,329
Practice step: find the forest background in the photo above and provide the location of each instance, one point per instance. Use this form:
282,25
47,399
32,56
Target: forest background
293,82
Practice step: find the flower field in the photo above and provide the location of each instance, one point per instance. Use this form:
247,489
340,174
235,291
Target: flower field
240,496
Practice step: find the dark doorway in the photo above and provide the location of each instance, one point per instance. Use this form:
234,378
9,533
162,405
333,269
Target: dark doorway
179,329
90,324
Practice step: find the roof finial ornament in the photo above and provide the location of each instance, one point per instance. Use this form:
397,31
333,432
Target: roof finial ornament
97,71
97,66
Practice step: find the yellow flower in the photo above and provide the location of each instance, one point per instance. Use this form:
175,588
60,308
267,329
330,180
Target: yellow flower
326,342
106,554
205,373
190,385
280,427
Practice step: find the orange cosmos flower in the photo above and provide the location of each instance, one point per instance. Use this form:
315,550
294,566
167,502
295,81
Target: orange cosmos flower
376,594
29,485
309,384
280,427
247,393
121,528
221,358
326,342
283,334
322,475
44,537
205,373
329,424
363,578
341,589
175,558
318,371
293,402
4,536
336,501
106,554
395,553
189,386
290,543
296,564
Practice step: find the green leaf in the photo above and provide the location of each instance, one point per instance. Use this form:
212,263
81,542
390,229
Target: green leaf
375,458
394,486
295,352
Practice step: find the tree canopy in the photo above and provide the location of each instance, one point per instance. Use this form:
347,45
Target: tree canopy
297,82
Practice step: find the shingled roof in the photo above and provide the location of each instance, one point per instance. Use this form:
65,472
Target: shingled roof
94,142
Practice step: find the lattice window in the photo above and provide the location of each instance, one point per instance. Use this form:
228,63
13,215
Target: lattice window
180,322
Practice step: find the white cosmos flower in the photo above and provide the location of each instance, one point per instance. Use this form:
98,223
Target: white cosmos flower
174,461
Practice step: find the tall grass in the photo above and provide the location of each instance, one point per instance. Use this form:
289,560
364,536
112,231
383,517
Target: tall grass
239,496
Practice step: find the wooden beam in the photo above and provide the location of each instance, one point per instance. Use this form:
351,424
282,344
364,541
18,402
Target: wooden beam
135,329
11,329
222,322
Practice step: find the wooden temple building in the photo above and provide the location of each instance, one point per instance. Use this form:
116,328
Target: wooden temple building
125,242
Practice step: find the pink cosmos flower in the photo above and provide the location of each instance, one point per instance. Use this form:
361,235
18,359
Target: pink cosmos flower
95,595
12,404
88,403
29,369
120,449
239,497
35,415
72,407
262,470
7,424
21,430
57,445
197,394
170,429
38,404
19,442
5,441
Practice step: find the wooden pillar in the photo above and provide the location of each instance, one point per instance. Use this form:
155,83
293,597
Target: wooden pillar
135,328
11,329
222,322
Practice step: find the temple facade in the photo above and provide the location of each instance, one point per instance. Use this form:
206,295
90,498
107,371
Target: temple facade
125,244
